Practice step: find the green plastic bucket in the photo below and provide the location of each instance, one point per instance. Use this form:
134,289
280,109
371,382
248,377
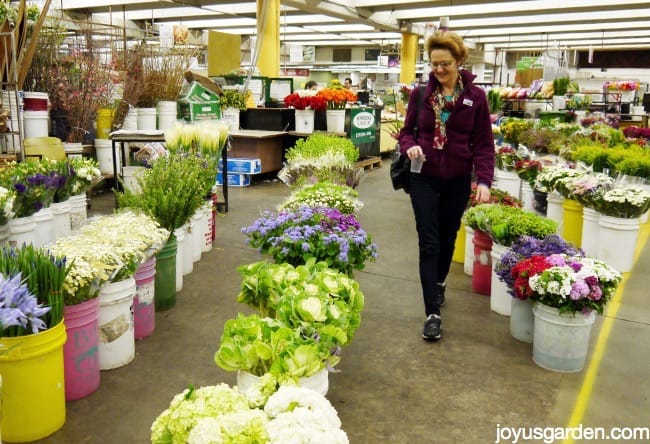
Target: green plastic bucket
165,283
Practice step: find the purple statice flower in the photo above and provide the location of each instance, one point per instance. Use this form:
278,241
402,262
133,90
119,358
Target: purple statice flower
19,308
20,188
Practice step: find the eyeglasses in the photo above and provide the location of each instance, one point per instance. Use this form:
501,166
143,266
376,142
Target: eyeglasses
445,64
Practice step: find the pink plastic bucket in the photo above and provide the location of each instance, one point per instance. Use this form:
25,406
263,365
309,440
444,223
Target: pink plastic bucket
144,309
80,352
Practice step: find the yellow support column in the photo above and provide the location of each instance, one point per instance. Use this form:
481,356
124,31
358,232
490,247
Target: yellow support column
408,57
268,36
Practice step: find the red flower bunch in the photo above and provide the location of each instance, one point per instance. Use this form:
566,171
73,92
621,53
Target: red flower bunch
524,270
305,102
497,196
528,170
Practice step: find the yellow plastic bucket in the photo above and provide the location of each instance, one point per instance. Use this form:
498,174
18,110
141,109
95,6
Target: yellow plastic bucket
572,230
33,389
459,247
104,122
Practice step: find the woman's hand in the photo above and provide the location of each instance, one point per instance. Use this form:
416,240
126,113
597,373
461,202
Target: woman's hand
482,193
414,151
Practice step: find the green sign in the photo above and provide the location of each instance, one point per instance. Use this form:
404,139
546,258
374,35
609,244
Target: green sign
362,125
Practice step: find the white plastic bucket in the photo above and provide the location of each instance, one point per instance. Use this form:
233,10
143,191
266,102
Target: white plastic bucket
318,382
146,119
21,231
589,242
197,235
527,197
188,250
166,114
617,239
37,123
73,149
231,117
104,153
130,120
507,181
522,320
181,238
4,235
78,211
561,341
35,101
206,226
500,300
44,232
116,333
305,121
335,119
468,265
555,210
130,176
62,224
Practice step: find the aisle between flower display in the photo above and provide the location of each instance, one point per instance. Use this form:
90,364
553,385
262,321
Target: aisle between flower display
308,307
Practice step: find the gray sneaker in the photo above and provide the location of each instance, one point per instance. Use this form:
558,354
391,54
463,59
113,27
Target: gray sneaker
432,330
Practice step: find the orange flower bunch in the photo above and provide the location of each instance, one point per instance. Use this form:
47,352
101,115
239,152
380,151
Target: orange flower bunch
336,98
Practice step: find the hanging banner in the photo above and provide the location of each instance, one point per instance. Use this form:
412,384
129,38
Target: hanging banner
362,125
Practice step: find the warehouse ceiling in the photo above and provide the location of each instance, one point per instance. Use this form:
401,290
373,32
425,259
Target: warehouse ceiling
526,25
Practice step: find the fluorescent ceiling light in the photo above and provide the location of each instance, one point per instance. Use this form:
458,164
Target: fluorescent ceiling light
80,4
342,28
157,14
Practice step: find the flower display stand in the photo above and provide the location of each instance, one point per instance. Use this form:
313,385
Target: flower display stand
33,394
81,350
561,341
500,300
482,269
617,239
459,247
116,333
589,242
572,221
522,320
319,381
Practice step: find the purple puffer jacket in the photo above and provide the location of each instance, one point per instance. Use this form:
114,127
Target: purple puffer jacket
470,143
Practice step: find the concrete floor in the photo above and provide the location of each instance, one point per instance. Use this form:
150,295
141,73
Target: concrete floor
393,387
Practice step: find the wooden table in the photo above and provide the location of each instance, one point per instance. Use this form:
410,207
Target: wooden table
122,137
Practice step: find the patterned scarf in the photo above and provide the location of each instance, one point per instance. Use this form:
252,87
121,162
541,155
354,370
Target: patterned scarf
440,104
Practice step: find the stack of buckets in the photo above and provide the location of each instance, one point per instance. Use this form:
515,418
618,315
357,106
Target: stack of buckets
36,119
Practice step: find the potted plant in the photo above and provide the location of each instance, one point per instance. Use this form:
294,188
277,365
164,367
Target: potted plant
321,157
324,194
232,102
324,234
32,335
337,98
567,291
511,129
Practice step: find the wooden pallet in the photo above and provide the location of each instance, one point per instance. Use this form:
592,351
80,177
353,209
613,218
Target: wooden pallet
369,163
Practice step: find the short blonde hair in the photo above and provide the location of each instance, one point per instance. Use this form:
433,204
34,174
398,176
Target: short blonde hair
449,41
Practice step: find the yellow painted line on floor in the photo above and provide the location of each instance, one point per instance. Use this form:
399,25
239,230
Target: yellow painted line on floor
584,396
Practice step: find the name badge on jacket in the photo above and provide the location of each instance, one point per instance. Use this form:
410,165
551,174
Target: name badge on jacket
468,102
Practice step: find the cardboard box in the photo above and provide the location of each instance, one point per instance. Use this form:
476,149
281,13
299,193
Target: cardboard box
195,102
193,111
235,180
243,166
195,92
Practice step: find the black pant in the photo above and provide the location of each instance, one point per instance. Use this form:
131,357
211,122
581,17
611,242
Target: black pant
438,205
